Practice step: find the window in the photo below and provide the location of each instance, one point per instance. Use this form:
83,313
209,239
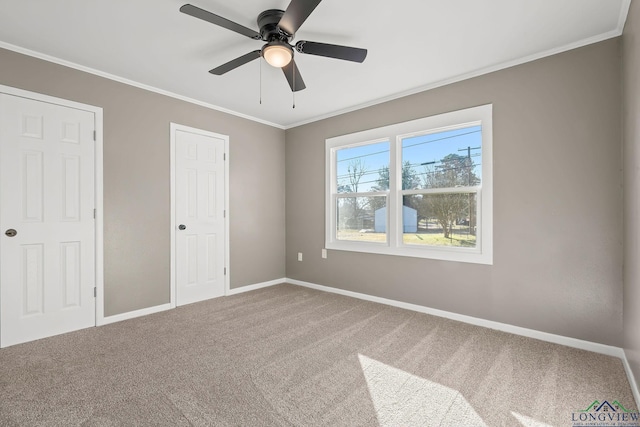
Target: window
421,188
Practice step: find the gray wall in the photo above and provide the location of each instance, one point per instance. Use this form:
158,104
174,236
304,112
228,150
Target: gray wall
631,122
557,201
136,181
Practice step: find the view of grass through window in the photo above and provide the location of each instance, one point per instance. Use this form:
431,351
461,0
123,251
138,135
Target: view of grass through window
441,173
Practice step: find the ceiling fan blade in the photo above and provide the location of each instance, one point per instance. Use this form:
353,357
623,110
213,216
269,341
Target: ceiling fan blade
332,51
290,70
196,12
297,12
218,71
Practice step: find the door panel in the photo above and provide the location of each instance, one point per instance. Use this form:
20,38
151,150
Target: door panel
47,194
199,207
70,187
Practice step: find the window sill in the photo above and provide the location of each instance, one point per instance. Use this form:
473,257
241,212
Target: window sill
466,255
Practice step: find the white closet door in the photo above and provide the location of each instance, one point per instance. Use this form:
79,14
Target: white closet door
47,201
199,213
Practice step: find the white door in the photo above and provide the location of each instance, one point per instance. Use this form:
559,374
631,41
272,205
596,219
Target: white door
199,215
47,201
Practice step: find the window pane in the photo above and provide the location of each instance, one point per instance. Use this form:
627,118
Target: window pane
440,219
363,169
442,160
362,219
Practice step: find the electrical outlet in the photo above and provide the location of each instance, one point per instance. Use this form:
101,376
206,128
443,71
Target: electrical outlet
299,256
324,253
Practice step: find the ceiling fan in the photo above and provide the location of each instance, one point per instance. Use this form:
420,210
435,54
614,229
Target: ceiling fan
277,29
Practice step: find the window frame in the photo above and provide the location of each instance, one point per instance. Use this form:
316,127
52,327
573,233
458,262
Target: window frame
394,134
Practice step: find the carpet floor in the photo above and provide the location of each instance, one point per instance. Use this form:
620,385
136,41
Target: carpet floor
292,356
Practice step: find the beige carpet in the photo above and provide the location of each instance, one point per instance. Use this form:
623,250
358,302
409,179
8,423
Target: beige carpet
288,355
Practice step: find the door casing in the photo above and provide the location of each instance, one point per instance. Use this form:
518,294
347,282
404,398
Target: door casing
99,176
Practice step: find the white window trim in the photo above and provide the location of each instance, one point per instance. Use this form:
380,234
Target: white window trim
482,253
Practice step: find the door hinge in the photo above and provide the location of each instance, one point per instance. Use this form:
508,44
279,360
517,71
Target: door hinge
224,213
225,271
95,292
94,214
95,136
224,156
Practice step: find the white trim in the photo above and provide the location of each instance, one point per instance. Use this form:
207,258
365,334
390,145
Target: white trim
173,128
256,286
133,83
172,216
632,379
136,313
9,90
504,327
393,134
466,76
164,307
99,196
99,184
227,207
624,12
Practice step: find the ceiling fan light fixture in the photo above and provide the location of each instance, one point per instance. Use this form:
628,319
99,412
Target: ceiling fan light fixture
277,29
277,54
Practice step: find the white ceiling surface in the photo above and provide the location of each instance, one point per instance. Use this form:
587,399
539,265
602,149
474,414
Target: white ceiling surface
413,45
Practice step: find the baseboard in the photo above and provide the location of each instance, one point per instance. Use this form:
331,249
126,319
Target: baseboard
504,327
133,314
150,310
632,380
253,287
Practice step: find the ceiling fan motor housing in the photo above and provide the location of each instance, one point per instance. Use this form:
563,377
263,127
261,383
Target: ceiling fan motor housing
269,29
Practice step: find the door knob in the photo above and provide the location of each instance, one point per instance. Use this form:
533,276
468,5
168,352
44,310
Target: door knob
11,232
182,227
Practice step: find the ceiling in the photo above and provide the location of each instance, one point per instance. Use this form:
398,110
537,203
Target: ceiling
412,45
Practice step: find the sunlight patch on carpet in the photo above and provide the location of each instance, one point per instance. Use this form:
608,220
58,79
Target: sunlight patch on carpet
401,398
528,421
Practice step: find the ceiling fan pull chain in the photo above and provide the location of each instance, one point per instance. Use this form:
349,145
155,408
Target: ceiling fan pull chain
293,92
260,81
